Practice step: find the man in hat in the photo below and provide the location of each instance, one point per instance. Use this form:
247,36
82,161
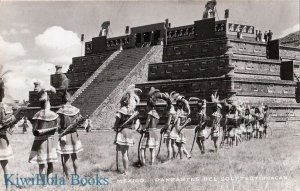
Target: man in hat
248,120
216,119
69,144
266,120
126,124
231,123
151,137
88,124
25,125
182,112
43,149
6,118
200,129
258,122
170,134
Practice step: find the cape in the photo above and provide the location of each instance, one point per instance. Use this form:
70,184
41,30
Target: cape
154,114
45,115
68,110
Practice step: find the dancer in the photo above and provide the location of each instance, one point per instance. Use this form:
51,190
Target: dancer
216,120
6,121
170,134
182,112
201,127
126,124
43,149
69,144
151,137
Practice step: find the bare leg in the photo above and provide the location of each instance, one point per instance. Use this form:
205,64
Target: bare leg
180,150
152,153
75,163
173,145
203,147
50,169
143,153
199,143
185,151
65,158
169,148
124,150
215,143
117,157
4,165
42,174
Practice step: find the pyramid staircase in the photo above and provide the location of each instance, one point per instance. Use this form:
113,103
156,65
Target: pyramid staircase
107,78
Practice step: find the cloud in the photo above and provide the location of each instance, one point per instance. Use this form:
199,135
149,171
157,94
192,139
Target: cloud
9,32
289,30
10,50
19,25
24,72
25,31
58,45
13,31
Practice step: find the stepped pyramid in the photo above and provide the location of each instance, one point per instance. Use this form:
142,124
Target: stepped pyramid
195,60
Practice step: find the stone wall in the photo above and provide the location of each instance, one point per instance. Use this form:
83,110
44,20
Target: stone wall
189,69
104,116
196,49
81,69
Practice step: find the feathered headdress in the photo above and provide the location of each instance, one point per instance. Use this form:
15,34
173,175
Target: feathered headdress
2,83
215,99
44,97
130,97
181,100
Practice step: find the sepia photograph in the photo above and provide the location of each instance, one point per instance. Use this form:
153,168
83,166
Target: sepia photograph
143,95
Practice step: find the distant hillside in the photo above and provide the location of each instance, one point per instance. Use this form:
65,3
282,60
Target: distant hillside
292,39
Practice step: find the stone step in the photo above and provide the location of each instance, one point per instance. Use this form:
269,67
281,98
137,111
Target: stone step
108,79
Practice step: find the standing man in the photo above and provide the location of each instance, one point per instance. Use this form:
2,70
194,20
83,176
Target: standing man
270,35
68,144
216,120
266,36
6,118
182,111
126,124
259,36
200,129
25,125
266,120
43,150
170,131
88,126
151,138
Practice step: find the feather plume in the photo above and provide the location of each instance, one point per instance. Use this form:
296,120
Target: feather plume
194,99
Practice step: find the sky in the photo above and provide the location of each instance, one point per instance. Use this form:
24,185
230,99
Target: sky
37,35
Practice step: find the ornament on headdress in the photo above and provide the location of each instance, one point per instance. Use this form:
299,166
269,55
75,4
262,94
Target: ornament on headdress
130,97
2,83
215,99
